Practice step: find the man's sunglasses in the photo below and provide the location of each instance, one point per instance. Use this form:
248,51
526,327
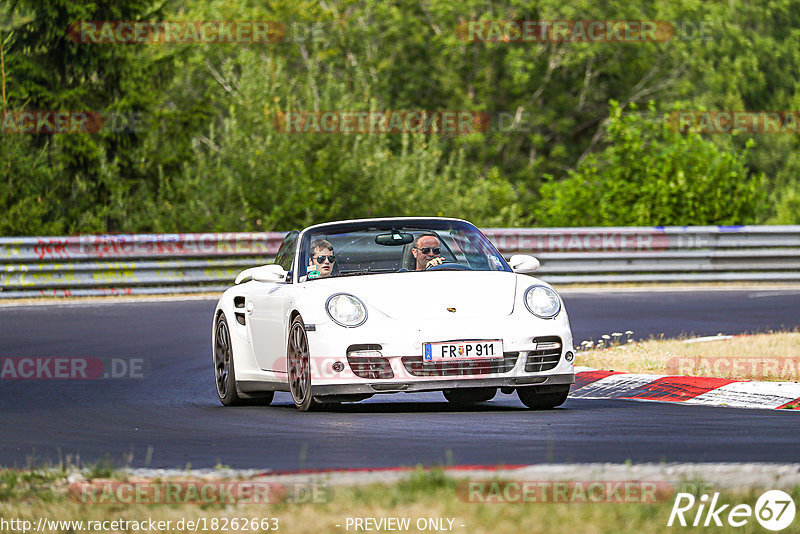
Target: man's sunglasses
427,250
321,259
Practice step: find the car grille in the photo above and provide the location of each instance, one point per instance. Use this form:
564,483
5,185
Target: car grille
416,367
372,367
545,359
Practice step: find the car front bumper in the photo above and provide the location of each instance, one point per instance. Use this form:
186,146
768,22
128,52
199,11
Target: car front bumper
399,346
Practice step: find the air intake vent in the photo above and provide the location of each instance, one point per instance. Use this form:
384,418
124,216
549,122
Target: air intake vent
416,367
366,361
546,355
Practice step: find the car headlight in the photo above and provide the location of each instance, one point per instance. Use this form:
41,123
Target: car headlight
346,310
542,302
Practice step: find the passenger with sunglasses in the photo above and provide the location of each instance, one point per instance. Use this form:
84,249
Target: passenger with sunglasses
321,259
426,251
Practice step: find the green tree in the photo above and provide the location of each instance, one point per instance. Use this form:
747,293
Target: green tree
247,174
87,177
649,174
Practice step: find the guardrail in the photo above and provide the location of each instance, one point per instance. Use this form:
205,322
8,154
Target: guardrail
186,263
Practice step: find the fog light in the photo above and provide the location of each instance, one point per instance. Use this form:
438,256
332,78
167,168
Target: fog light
569,356
338,367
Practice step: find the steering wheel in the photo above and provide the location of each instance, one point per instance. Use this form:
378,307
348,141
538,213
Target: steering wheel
449,266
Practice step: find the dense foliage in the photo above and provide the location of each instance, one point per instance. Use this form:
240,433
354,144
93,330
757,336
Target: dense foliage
649,174
584,138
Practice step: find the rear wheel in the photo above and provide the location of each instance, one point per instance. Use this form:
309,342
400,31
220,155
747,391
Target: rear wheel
299,367
224,371
536,399
467,396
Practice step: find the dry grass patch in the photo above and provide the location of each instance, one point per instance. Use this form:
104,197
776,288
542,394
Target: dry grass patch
771,357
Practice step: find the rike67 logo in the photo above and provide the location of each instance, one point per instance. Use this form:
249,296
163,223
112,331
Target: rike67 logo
774,510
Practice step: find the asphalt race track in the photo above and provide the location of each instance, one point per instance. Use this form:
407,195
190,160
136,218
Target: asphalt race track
170,418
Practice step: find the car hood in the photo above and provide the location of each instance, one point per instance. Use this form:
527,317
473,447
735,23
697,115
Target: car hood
430,294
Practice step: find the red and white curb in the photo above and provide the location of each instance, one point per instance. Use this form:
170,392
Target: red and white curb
596,384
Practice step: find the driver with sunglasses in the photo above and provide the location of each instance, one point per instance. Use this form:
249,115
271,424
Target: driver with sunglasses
426,251
322,259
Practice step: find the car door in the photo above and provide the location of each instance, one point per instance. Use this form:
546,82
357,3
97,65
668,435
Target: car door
268,308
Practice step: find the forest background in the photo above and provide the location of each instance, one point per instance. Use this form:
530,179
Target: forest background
580,132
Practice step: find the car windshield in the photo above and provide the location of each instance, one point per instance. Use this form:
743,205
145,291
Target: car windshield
349,249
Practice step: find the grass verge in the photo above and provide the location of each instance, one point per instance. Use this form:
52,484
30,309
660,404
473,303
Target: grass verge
769,357
431,501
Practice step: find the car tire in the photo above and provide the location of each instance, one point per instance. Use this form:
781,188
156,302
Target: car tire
534,400
467,396
298,367
225,372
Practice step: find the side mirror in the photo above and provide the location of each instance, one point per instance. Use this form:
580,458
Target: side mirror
523,264
264,273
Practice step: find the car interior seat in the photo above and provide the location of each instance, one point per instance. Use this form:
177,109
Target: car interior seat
409,262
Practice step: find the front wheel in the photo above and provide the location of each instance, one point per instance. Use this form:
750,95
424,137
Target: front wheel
534,400
224,371
467,396
299,366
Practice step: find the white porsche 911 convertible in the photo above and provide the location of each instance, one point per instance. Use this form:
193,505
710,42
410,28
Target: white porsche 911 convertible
354,308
